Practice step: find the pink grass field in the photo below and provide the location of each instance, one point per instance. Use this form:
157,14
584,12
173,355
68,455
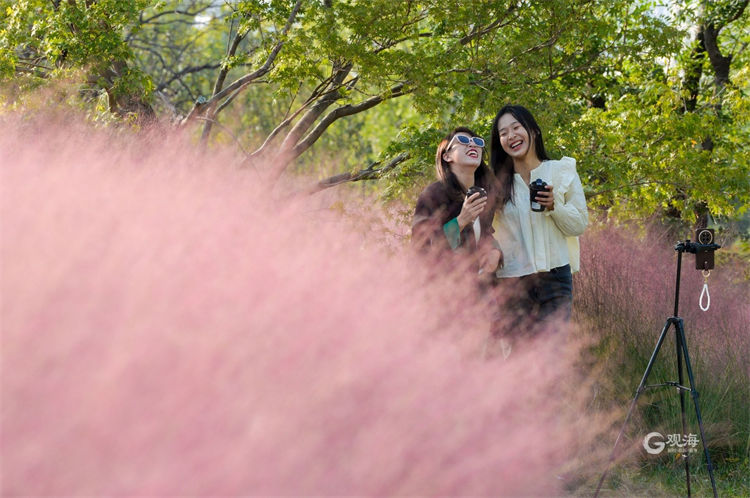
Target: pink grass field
629,284
172,325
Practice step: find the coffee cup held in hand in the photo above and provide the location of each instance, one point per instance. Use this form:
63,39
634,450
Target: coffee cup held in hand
474,189
536,186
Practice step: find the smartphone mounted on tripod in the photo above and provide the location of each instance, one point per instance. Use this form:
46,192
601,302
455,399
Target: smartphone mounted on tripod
703,248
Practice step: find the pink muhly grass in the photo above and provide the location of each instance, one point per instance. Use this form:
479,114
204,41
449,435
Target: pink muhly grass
173,325
630,281
625,293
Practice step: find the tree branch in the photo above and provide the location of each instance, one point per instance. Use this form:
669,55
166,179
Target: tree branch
231,98
175,11
340,112
242,82
694,71
183,72
228,132
393,43
328,98
278,129
497,23
210,113
720,63
545,44
369,173
168,104
738,11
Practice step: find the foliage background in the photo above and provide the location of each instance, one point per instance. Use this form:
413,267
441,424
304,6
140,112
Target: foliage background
652,99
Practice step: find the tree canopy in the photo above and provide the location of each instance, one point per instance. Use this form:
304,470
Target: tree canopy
653,102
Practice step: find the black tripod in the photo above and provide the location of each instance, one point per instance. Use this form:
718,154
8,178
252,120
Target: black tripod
682,352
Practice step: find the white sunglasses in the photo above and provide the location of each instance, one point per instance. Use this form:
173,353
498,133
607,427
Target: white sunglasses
464,140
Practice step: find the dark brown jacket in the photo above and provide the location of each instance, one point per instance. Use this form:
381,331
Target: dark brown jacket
436,206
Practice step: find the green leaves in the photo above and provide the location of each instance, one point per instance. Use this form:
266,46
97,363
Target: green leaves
608,80
647,156
45,39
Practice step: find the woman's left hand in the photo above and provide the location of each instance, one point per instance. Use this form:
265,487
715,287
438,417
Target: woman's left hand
546,199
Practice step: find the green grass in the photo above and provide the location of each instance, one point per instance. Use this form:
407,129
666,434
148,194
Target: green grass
668,479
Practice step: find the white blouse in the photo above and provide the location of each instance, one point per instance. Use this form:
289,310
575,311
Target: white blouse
534,242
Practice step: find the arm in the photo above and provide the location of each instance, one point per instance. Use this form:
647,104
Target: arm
491,259
431,225
491,254
434,206
570,213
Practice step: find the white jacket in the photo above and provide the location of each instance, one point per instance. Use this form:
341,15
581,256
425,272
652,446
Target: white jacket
534,242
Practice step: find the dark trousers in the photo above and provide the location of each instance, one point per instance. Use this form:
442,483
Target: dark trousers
530,303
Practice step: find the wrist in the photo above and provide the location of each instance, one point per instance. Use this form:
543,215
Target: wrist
462,223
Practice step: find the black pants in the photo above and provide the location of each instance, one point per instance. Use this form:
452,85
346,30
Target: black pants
549,294
529,303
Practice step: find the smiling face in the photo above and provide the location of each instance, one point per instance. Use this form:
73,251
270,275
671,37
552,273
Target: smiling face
458,154
514,138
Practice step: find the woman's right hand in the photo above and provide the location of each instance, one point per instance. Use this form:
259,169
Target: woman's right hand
472,207
492,260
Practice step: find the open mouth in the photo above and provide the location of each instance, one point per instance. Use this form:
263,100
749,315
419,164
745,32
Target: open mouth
472,153
516,145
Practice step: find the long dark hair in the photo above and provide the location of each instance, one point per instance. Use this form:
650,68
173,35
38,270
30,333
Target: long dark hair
500,162
443,167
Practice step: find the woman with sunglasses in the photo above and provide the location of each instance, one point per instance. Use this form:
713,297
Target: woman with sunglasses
446,218
540,247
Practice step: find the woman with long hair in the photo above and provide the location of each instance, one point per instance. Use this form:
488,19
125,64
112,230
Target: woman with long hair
451,215
540,246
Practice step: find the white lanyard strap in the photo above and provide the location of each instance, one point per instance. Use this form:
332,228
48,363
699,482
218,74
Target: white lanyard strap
705,296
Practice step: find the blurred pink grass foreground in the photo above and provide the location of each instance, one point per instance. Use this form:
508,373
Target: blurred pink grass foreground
171,327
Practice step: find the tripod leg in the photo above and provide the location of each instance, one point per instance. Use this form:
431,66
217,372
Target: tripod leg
694,394
678,343
638,392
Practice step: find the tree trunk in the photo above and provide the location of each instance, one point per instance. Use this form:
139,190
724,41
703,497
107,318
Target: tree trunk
123,104
694,71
